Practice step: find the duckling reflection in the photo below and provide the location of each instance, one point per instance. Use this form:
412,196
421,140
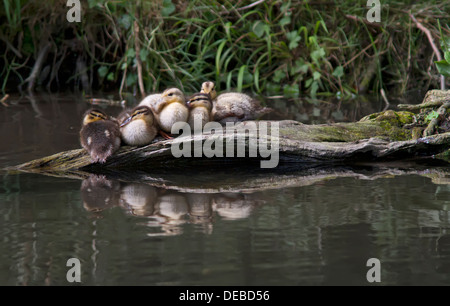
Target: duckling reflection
99,193
173,207
170,213
234,206
200,207
139,199
200,210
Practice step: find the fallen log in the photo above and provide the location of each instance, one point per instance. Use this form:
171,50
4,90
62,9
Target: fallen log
378,137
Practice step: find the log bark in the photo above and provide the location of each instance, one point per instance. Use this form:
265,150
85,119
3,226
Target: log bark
381,136
297,143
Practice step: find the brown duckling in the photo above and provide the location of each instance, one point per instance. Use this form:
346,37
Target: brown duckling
199,105
233,106
170,108
138,126
99,135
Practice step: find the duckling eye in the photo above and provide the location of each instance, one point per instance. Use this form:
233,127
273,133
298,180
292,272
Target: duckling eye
170,94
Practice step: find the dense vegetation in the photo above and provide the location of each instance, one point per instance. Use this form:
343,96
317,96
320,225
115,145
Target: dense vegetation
290,48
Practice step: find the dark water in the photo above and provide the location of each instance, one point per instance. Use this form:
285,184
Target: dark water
297,226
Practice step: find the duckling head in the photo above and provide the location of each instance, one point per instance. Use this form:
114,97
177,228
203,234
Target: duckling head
209,87
139,113
168,96
200,100
93,115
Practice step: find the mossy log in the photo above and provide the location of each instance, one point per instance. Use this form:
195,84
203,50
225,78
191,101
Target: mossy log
378,137
374,138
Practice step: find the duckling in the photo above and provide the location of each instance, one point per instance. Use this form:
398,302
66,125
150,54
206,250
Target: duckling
150,100
199,110
137,126
233,106
170,108
99,135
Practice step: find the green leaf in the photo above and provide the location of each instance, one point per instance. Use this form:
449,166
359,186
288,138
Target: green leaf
443,67
316,75
143,55
447,56
299,67
240,78
293,38
102,71
279,75
338,72
317,54
131,53
291,91
258,28
285,6
432,115
285,20
131,79
110,76
168,8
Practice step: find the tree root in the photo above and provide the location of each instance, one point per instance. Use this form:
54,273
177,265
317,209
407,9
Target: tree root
435,122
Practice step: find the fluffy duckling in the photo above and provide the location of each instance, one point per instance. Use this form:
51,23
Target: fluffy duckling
138,126
99,135
233,106
170,108
150,100
199,110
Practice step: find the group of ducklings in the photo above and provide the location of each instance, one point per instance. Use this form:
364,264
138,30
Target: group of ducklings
102,135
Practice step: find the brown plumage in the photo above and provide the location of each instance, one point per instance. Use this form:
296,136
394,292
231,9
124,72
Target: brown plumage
99,135
233,106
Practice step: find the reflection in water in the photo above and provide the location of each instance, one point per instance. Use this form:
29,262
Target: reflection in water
138,199
233,206
165,210
99,193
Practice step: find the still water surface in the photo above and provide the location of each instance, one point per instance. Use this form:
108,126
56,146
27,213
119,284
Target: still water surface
314,226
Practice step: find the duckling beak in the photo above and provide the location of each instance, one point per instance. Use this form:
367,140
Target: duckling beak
126,121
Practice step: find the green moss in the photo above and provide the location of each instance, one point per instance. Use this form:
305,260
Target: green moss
398,119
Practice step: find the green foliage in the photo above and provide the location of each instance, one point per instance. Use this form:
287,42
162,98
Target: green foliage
292,48
443,66
430,116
